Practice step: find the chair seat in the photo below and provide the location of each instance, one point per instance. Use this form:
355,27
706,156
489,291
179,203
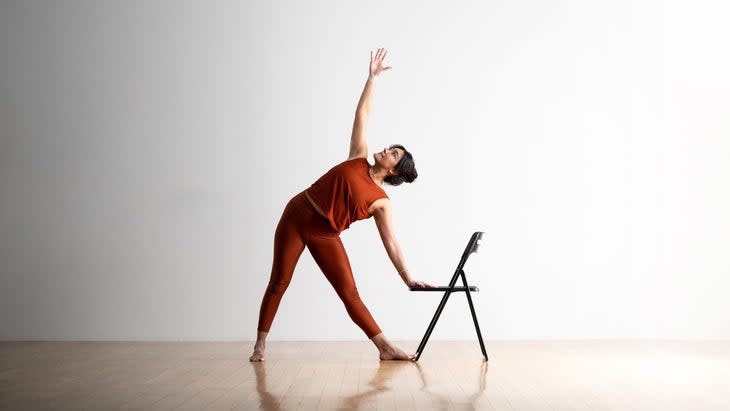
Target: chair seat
472,288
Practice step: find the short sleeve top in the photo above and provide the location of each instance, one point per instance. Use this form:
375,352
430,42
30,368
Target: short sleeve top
346,192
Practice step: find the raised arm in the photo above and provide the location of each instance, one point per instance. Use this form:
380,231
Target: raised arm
382,212
358,140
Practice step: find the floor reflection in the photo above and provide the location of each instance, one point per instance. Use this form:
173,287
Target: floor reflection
381,382
436,384
443,401
267,401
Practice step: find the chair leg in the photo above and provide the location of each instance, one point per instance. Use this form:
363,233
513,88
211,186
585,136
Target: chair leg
435,318
474,317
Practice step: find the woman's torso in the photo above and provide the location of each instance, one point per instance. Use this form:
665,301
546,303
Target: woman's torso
345,193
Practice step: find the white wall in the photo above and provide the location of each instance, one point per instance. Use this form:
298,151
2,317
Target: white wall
148,149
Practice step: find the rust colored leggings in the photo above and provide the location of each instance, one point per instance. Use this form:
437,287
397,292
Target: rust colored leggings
300,225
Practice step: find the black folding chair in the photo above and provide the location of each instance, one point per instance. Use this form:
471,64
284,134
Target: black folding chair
471,247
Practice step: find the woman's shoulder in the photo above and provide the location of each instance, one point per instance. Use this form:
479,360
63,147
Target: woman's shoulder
357,162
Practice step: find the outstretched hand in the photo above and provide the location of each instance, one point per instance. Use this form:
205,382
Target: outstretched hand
376,63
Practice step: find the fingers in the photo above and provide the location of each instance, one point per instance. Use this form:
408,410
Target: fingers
422,284
376,62
379,55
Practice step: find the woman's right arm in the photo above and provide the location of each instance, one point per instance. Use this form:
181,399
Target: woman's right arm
382,214
358,140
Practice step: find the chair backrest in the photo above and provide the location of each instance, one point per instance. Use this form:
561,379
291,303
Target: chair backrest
471,247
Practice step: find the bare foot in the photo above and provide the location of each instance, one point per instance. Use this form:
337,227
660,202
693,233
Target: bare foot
258,354
394,353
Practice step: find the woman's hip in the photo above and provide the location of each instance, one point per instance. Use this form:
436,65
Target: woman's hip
308,221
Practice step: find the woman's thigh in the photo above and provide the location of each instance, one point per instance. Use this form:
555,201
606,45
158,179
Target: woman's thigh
330,255
288,245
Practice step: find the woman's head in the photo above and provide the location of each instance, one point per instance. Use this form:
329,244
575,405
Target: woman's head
404,169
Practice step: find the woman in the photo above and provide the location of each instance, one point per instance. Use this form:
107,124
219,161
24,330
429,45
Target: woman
314,218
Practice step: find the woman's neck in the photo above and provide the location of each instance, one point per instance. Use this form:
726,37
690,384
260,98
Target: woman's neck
377,175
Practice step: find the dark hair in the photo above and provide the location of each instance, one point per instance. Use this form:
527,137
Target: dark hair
405,169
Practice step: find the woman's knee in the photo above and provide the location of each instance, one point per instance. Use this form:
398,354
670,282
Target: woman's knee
349,295
277,287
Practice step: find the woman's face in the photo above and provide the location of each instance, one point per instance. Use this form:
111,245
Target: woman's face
388,158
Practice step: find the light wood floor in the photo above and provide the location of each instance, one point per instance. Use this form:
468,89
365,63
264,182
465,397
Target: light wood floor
545,375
